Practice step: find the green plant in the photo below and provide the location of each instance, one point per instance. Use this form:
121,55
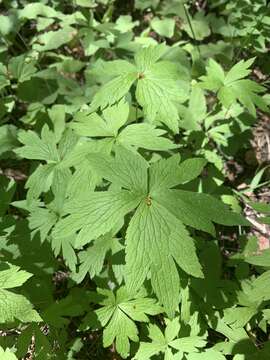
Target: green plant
124,231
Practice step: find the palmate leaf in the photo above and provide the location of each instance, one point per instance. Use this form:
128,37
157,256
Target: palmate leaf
75,304
232,86
159,87
168,342
39,148
118,316
53,147
158,90
14,306
142,135
156,238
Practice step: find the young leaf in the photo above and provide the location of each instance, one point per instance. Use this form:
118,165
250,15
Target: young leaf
232,86
159,87
118,316
158,90
170,340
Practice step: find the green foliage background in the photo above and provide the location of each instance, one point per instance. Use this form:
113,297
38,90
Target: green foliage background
124,234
